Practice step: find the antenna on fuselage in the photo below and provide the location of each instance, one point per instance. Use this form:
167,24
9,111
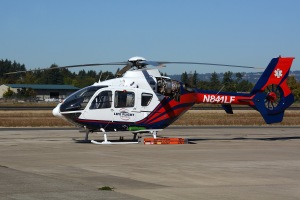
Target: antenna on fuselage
100,77
221,89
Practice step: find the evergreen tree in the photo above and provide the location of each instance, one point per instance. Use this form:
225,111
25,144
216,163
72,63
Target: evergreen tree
29,78
203,85
107,75
214,83
228,82
7,66
184,78
67,76
239,77
244,86
295,87
194,79
81,73
92,73
53,75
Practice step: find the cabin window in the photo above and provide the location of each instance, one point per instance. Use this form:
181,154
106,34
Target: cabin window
102,100
124,99
146,99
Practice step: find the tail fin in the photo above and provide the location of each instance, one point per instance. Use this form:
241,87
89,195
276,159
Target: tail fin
271,93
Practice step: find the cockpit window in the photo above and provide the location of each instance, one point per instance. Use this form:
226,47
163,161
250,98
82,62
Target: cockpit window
102,100
79,99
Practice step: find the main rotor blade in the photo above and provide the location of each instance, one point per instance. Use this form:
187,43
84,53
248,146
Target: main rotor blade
128,66
70,66
124,69
200,63
153,63
161,63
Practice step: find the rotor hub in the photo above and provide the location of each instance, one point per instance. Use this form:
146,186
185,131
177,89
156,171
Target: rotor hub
271,96
137,61
136,58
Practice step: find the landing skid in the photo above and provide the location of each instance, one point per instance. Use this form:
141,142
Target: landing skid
86,140
108,142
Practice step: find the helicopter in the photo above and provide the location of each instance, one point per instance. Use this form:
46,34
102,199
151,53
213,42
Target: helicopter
141,100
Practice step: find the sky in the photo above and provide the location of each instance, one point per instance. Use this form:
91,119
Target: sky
68,32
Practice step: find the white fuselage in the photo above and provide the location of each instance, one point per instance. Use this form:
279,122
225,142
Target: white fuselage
139,88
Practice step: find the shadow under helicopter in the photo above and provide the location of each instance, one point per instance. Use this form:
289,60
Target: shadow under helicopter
197,140
194,140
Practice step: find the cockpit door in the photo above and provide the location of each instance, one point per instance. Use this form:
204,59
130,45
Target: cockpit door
100,106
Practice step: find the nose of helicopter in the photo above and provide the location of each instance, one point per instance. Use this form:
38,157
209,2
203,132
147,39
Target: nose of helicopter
56,111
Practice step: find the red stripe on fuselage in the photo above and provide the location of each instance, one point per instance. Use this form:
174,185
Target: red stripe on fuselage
170,109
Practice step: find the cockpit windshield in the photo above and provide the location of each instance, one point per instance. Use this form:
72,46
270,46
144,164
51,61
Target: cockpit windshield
79,99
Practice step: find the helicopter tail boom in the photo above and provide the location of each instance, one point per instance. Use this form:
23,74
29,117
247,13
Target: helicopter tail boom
270,96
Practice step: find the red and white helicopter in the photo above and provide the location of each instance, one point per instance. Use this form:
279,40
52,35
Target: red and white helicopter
142,100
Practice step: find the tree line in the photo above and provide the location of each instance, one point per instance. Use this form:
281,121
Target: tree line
230,82
52,76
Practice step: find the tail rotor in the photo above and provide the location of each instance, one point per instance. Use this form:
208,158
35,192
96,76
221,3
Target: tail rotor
274,95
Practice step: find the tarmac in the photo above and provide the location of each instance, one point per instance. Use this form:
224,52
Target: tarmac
220,163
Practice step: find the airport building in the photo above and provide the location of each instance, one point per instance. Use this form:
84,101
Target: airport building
43,91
